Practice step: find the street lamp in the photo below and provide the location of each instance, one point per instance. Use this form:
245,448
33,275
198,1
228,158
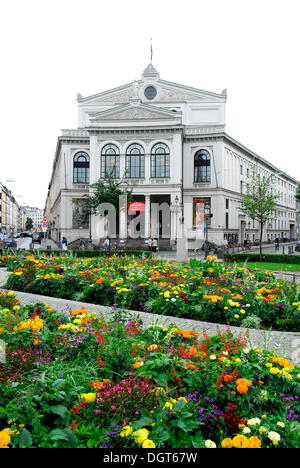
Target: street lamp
176,207
90,229
207,216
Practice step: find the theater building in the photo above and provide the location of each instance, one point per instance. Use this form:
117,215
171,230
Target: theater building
169,140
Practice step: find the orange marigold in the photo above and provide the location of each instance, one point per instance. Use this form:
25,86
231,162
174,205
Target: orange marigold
245,382
226,443
240,441
242,389
254,442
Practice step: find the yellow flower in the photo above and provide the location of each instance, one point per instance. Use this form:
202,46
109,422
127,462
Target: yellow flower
168,405
141,435
274,370
254,442
137,364
148,444
152,347
4,438
88,397
226,443
240,441
126,431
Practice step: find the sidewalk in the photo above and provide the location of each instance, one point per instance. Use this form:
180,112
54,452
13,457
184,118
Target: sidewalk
286,344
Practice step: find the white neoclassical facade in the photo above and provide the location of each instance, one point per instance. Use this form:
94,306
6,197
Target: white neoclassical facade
170,141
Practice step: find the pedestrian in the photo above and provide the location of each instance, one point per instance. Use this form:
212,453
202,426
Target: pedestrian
276,243
64,243
150,244
81,244
106,243
154,245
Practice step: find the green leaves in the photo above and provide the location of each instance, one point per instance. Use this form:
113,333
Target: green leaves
25,439
64,434
60,410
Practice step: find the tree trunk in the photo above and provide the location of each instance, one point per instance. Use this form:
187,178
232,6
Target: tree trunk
260,241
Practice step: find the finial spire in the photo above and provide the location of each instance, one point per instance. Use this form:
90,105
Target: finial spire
151,52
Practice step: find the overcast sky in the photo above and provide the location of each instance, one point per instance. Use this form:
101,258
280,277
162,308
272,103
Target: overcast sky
52,50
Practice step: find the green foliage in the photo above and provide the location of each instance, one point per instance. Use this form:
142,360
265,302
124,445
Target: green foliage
29,224
259,201
253,257
108,190
92,253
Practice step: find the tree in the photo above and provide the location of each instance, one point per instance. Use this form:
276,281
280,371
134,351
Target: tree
28,224
298,193
108,190
259,201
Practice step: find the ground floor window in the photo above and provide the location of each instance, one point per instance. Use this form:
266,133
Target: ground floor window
80,214
201,207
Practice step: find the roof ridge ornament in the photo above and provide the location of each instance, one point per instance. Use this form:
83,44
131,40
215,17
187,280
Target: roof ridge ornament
150,72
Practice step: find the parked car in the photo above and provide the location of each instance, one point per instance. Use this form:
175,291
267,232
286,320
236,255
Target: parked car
256,242
9,242
25,234
36,237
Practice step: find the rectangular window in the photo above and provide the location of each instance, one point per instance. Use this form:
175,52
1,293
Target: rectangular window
227,203
227,220
135,166
110,165
241,170
241,186
201,207
160,165
80,214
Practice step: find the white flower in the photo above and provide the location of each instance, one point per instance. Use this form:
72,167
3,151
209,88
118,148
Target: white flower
210,444
274,437
212,357
253,422
280,424
246,350
246,430
262,430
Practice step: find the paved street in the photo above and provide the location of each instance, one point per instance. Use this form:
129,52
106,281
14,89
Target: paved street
266,249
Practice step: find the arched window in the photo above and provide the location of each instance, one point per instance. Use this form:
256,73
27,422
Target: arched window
135,161
110,161
202,166
81,168
160,161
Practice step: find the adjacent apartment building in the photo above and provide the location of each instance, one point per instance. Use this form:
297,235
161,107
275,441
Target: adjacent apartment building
11,214
170,141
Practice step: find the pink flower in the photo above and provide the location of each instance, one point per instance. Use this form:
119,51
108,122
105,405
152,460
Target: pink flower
113,407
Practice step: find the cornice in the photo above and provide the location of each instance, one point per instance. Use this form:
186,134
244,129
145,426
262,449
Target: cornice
136,130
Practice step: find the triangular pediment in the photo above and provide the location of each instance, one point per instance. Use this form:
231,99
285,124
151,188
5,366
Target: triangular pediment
171,92
120,95
137,112
166,92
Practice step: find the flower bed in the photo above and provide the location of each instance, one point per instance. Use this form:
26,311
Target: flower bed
78,380
209,291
